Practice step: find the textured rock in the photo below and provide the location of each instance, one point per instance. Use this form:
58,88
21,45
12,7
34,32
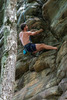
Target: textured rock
63,96
31,8
47,93
42,77
63,84
49,67
44,61
21,68
31,76
56,12
34,83
41,95
62,61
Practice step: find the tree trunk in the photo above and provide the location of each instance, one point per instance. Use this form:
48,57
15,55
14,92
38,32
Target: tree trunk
8,61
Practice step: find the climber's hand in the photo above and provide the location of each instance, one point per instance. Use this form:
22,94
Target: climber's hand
41,30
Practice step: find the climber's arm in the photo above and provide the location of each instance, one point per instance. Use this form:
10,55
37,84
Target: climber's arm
36,32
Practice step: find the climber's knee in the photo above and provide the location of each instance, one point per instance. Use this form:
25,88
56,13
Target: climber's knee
42,45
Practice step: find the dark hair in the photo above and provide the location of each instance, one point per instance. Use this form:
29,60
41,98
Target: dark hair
23,26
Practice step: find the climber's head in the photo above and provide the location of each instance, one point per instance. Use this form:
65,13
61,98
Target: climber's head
24,27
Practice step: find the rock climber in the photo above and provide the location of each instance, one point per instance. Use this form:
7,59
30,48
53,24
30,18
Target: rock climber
31,47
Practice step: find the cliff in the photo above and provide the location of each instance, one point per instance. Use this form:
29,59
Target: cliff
43,77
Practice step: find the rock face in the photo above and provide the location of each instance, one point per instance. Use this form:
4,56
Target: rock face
56,13
43,77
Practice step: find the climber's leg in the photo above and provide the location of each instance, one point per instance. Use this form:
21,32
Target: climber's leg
42,46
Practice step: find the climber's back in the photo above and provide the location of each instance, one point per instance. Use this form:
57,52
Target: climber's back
24,37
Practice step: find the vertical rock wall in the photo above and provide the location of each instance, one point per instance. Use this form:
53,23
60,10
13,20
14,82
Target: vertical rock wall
43,77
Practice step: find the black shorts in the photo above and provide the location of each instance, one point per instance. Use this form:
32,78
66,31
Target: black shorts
30,47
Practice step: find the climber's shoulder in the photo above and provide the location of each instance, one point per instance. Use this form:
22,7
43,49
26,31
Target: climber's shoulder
29,32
